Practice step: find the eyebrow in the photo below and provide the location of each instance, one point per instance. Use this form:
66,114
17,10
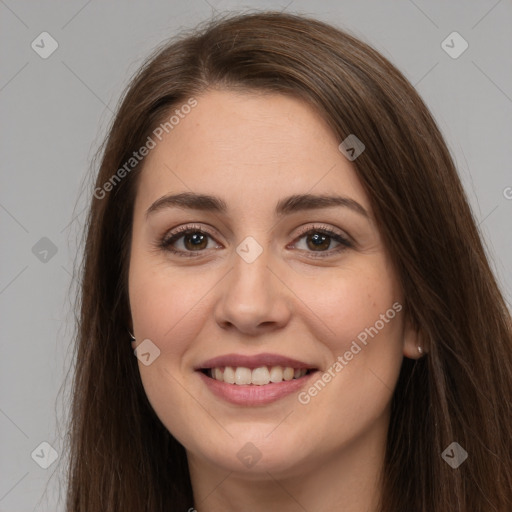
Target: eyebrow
286,206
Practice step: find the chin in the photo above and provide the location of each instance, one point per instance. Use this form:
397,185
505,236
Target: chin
256,454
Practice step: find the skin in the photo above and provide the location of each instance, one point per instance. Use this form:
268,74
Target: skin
251,150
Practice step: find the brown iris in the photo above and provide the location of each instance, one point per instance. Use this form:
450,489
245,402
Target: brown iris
197,240
319,241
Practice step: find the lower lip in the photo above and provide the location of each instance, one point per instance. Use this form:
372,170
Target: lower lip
252,395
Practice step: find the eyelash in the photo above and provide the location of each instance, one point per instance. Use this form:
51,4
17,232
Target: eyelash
166,242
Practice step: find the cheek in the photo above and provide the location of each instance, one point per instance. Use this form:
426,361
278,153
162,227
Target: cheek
165,306
363,314
351,303
358,317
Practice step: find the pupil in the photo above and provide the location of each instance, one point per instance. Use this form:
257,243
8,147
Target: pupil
196,239
319,241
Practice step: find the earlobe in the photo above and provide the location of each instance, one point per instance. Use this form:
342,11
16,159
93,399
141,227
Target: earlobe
414,346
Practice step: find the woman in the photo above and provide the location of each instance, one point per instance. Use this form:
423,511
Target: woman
279,231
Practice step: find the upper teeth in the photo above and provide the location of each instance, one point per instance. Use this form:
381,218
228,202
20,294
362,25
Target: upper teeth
258,376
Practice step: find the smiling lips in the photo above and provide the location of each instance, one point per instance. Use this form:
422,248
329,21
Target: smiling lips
259,369
254,380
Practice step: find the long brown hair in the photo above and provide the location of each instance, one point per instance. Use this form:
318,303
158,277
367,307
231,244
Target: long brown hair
122,458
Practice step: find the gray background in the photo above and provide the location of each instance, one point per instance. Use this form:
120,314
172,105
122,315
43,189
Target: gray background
55,112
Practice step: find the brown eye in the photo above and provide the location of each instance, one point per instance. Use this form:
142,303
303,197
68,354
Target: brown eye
195,241
187,241
318,242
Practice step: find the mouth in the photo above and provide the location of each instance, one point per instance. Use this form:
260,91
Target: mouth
259,376
254,380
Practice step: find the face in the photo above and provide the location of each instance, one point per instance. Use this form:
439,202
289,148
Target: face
267,281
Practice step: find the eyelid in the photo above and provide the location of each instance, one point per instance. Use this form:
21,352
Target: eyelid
323,227
181,230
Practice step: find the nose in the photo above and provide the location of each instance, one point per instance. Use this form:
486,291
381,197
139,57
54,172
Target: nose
253,298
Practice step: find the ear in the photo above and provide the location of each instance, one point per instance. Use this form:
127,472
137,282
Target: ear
414,346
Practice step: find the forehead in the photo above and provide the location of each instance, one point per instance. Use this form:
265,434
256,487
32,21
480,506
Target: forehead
248,147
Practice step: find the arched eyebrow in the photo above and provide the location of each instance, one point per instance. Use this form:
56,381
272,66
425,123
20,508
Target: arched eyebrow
285,206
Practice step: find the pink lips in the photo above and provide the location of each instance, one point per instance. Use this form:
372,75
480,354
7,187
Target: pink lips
251,395
265,359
